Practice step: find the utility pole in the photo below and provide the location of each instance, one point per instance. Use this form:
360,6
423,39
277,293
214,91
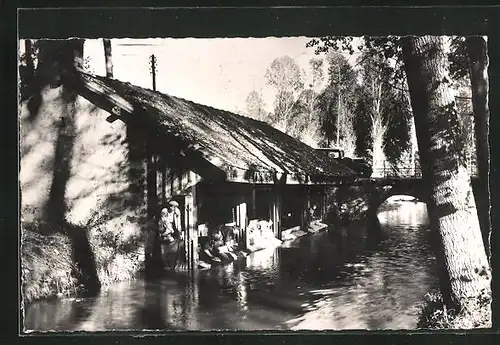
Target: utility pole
152,69
107,57
338,107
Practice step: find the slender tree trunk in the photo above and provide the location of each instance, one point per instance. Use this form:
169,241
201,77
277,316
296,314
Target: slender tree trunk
451,205
478,71
28,51
478,60
107,57
378,130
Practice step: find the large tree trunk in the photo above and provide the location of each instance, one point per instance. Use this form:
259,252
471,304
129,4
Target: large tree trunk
451,205
478,71
107,57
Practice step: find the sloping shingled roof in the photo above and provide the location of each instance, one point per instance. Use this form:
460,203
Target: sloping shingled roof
247,150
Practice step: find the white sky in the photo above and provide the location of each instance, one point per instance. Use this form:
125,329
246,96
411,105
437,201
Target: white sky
219,72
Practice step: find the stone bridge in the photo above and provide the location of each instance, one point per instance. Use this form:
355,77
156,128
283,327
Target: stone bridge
382,189
361,200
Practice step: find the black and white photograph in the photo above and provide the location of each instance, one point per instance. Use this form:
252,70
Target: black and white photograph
254,183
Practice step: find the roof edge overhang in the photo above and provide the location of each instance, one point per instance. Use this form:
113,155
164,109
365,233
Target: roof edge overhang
120,108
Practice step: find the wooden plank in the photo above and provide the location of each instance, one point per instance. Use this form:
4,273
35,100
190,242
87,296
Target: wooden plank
187,237
105,98
107,93
112,118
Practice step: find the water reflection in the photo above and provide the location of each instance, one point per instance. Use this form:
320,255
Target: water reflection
353,277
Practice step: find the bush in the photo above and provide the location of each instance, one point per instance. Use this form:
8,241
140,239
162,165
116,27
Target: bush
60,264
476,313
116,258
47,266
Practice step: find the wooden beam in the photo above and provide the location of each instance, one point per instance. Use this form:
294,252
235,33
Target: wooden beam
94,86
103,97
112,118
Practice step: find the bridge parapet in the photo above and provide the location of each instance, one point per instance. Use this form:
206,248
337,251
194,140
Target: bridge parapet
410,169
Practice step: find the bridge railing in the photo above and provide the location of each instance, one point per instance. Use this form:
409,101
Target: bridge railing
407,169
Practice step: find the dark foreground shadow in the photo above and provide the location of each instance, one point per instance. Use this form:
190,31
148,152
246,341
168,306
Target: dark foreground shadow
84,258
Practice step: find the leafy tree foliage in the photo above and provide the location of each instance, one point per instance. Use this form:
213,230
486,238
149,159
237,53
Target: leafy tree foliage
457,56
382,114
256,106
285,75
336,103
317,74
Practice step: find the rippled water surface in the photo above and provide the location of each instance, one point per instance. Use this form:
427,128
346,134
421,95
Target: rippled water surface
354,277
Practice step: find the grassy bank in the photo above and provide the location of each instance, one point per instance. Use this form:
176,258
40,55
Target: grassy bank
117,258
476,313
52,265
47,266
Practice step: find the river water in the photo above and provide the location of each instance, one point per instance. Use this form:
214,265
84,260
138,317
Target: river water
353,277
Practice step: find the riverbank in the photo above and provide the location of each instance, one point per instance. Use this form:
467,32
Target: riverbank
56,265
475,314
47,266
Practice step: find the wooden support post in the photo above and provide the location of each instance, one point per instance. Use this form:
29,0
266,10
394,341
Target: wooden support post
193,228
276,206
241,221
308,205
154,258
303,207
151,185
187,223
172,181
323,203
163,167
253,212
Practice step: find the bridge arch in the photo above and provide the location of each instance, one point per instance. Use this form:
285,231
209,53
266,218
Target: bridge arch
385,189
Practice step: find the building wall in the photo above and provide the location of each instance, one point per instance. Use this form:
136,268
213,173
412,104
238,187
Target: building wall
75,163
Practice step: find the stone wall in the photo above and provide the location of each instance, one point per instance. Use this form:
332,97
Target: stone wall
79,177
